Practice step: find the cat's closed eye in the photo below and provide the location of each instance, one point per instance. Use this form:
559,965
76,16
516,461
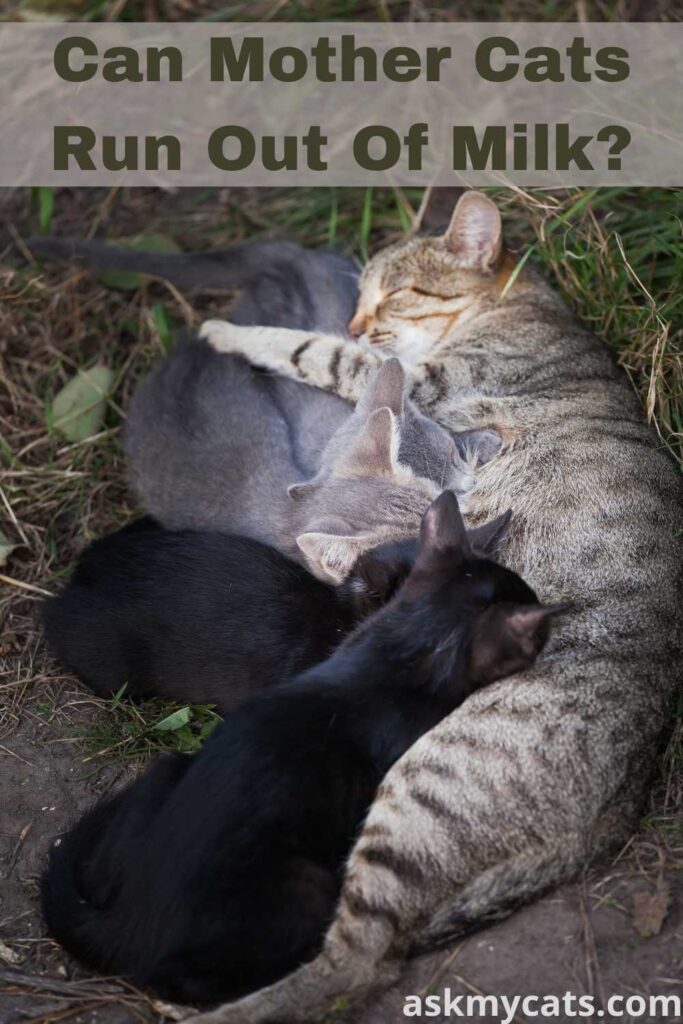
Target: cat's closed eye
429,294
409,296
398,297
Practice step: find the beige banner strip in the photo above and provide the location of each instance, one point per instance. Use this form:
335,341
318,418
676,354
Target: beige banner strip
341,104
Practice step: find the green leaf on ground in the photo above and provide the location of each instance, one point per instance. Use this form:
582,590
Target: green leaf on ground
175,721
77,410
163,323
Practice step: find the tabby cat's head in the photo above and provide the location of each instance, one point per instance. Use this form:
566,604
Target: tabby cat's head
416,293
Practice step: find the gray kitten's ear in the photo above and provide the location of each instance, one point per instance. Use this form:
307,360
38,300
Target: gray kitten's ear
488,538
374,452
385,390
330,556
442,529
475,233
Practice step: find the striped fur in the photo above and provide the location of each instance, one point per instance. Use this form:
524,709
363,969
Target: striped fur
520,787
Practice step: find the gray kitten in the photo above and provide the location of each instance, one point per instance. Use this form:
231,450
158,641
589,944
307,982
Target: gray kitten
282,285
207,449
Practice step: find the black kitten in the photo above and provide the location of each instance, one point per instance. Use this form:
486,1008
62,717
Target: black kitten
207,617
204,617
216,874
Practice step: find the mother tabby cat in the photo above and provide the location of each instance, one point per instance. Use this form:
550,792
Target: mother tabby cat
531,777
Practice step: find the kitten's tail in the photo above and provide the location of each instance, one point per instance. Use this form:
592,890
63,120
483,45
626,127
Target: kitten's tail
282,283
224,269
71,917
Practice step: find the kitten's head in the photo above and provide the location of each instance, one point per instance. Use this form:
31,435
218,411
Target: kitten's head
378,474
417,292
366,497
424,447
379,573
461,615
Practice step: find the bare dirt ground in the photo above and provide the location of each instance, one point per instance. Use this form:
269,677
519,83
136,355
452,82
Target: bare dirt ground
617,931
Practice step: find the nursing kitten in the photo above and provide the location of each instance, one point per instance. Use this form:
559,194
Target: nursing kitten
533,777
198,460
281,284
216,873
208,617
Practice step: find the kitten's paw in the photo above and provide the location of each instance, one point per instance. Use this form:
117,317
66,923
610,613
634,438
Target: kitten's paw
222,335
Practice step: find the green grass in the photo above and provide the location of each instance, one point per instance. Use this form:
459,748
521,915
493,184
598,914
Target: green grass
617,255
133,732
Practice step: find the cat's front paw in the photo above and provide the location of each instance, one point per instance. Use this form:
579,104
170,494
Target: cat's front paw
222,335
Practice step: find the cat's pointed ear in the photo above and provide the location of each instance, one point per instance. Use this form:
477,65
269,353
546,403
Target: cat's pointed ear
509,637
475,233
332,556
374,452
385,390
442,531
488,538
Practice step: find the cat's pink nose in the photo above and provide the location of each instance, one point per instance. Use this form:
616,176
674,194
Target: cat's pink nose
357,325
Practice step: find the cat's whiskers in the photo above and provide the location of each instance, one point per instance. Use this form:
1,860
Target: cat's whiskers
380,339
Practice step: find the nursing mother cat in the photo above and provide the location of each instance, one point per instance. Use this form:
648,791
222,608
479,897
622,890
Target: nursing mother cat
519,788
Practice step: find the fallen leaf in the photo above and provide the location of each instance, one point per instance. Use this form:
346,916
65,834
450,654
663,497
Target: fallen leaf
9,642
78,409
129,280
649,910
174,721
